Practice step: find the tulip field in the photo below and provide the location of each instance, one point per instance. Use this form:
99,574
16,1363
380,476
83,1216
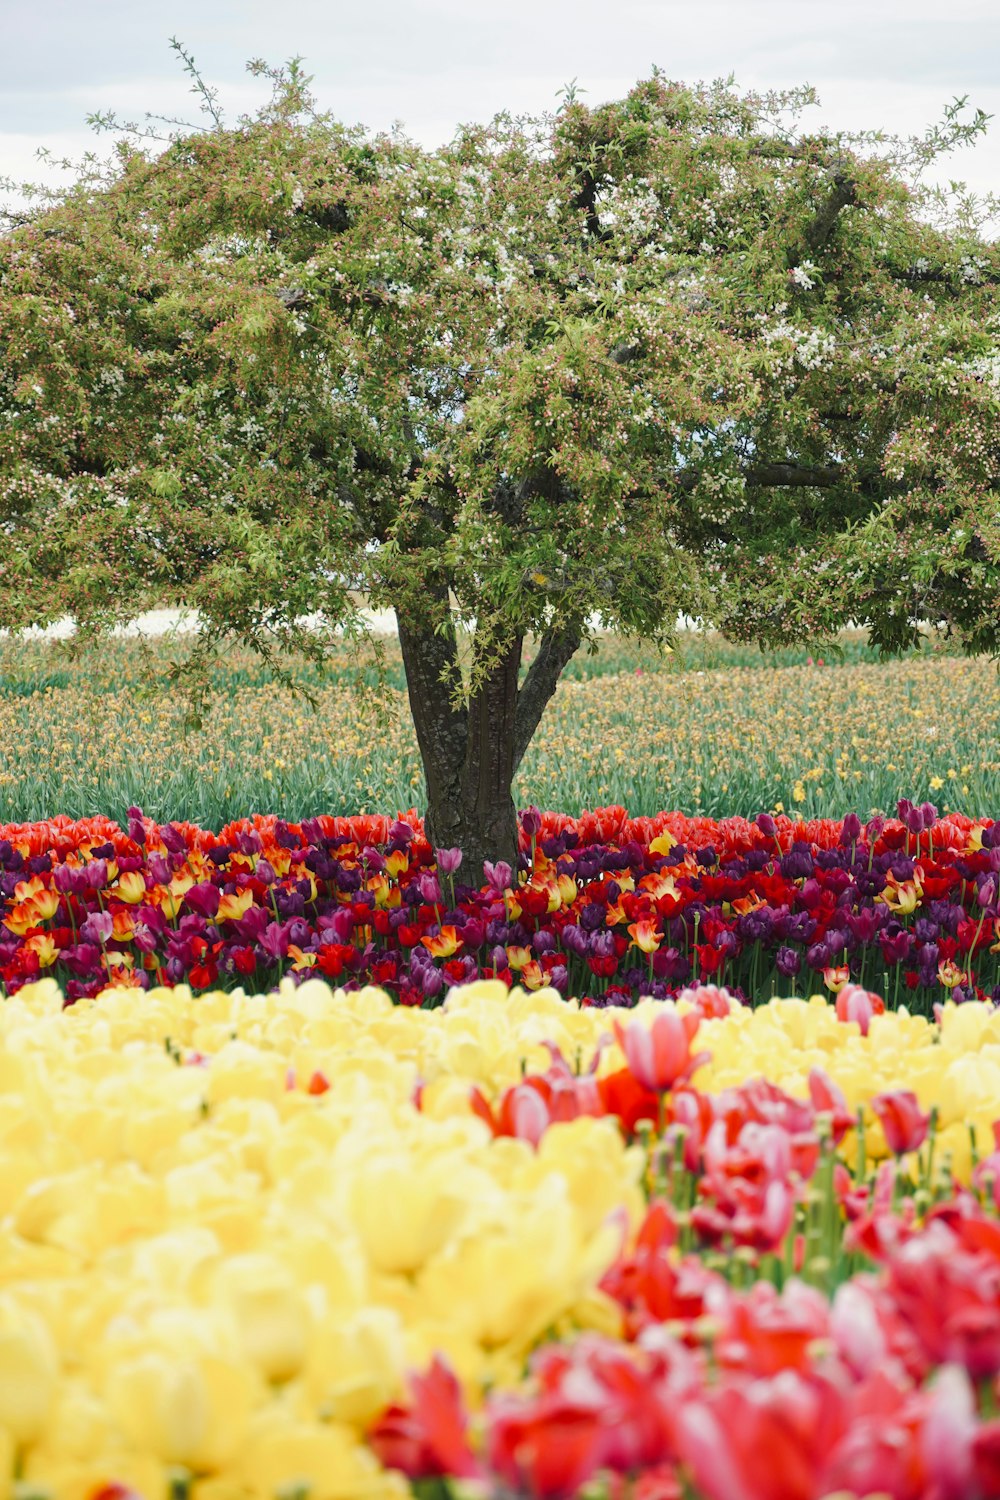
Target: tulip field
711,729
662,1163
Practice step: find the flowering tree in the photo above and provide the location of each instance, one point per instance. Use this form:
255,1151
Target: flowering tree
672,354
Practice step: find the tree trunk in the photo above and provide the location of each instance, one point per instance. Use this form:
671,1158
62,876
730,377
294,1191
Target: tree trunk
471,749
489,818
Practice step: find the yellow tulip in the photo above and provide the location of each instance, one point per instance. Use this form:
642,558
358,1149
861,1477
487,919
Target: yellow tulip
404,1209
161,1405
358,1366
131,887
269,1312
29,1370
326,1460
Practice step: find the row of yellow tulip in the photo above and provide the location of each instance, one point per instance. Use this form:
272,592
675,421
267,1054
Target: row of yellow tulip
228,1230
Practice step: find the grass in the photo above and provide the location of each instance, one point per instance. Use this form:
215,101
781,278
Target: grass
712,728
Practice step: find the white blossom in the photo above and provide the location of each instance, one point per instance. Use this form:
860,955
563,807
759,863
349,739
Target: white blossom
802,275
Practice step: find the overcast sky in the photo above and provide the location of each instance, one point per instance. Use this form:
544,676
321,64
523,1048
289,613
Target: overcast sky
893,64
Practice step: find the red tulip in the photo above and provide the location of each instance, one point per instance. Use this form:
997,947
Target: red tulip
903,1121
427,1438
986,1458
546,1449
827,1099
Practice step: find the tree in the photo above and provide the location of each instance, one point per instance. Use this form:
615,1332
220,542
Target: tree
672,354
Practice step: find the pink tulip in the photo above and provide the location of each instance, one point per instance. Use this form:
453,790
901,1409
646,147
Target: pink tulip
856,1004
658,1056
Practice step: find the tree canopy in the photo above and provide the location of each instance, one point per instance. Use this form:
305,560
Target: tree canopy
673,354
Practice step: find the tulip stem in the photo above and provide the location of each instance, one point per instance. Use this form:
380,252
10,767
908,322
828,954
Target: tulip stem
931,1143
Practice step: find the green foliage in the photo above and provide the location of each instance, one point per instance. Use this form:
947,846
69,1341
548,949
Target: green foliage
674,353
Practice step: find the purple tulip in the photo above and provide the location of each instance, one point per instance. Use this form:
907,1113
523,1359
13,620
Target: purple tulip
592,916
431,981
82,959
531,822
559,978
473,934
864,924
204,899
448,860
95,874
818,957
340,923
97,927
767,825
173,839
69,882
498,876
788,962
895,942
602,945
265,872
429,887
274,941
850,830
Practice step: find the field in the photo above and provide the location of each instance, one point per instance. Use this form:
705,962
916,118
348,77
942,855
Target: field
663,1166
711,729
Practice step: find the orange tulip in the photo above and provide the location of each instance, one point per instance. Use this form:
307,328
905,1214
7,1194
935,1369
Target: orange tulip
533,976
43,946
234,905
123,927
646,935
444,945
301,960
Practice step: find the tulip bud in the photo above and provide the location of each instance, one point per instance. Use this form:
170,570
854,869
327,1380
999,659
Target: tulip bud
928,813
850,830
448,860
531,822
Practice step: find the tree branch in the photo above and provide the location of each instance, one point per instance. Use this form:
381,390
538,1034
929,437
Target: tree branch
843,193
624,354
540,683
795,476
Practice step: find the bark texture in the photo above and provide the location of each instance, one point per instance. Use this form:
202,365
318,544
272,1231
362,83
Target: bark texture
471,749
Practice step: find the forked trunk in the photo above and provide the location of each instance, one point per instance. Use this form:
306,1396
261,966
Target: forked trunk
471,749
